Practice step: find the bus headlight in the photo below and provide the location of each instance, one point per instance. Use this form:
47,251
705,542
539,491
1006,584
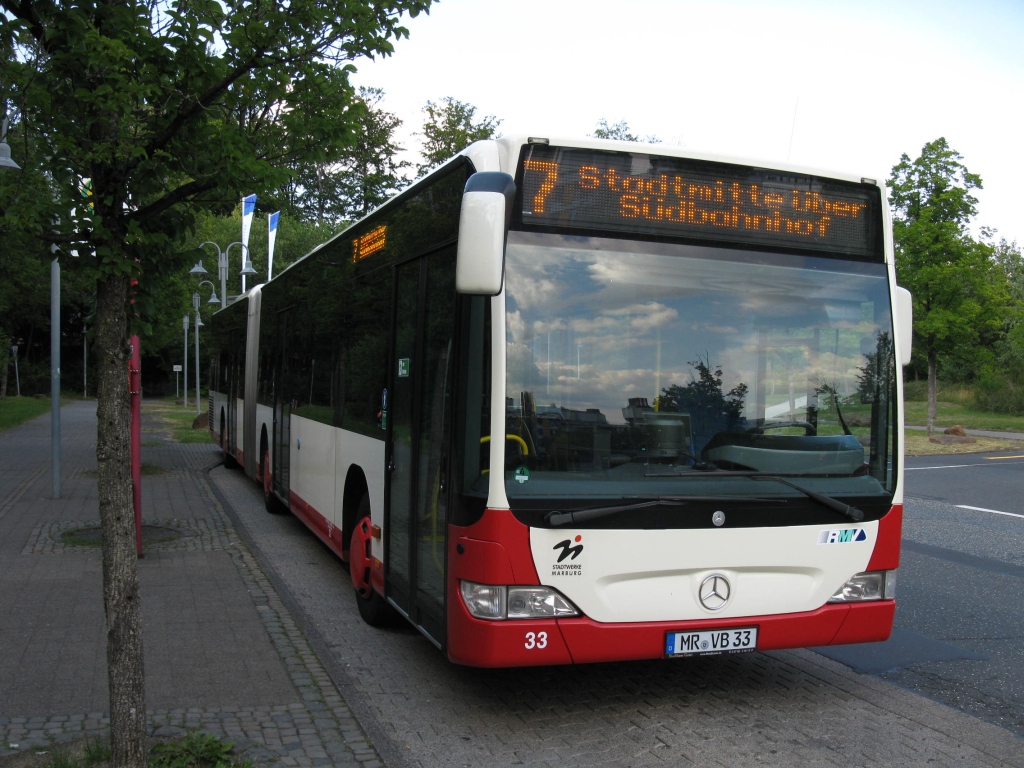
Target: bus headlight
485,601
878,585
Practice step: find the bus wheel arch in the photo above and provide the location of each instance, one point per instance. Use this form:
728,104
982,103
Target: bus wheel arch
374,609
356,488
229,460
264,448
273,504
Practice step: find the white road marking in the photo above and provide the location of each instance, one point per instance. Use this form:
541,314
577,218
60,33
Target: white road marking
946,466
957,466
993,511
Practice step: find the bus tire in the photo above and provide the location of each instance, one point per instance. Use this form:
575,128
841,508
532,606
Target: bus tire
270,501
229,460
373,608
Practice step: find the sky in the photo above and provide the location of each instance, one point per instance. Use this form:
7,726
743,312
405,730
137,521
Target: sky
846,86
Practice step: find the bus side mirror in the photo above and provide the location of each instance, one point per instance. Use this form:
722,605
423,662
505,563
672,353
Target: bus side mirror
905,322
483,224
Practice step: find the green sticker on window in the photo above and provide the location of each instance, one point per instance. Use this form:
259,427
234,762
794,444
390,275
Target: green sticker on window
521,475
403,366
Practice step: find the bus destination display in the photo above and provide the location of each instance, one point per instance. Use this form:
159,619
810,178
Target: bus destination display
679,197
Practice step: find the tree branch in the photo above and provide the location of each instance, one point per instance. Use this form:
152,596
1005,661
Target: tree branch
179,195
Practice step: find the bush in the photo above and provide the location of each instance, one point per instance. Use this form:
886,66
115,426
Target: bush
915,391
999,394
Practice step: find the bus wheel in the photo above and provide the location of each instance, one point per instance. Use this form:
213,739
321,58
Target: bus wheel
375,610
270,501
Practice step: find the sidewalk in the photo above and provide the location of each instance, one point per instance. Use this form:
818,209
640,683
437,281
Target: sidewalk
977,432
222,654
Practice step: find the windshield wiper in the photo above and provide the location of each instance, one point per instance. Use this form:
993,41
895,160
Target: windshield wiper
556,518
835,505
853,513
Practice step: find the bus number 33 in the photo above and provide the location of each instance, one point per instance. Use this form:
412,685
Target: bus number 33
536,640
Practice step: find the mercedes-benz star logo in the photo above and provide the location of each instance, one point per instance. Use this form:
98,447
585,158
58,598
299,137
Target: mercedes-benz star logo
714,592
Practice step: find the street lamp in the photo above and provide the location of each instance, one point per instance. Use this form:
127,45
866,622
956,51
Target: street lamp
222,271
5,150
17,379
222,268
246,263
184,327
199,324
213,292
7,162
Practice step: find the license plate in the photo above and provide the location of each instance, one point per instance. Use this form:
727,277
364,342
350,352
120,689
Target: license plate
711,641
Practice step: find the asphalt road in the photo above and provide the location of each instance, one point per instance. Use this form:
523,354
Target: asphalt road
961,582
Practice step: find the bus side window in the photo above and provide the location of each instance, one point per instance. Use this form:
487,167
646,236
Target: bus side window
365,355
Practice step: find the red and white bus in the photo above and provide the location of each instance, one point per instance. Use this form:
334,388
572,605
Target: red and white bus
565,401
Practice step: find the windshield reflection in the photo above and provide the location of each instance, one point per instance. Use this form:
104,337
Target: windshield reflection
630,363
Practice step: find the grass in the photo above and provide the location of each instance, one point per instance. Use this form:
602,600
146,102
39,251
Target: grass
917,445
193,750
178,420
955,405
89,753
950,413
17,410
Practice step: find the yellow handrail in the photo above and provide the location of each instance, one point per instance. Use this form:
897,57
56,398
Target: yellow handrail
517,438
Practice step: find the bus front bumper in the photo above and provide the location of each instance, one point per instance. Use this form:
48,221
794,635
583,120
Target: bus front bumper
521,643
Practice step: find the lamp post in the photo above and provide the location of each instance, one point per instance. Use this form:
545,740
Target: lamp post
222,272
222,268
199,324
17,379
5,149
246,262
184,326
55,369
7,162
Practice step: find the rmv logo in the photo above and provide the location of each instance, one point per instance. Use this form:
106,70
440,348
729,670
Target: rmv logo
842,536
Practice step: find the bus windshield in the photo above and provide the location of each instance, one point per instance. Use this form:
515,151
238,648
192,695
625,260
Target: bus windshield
649,369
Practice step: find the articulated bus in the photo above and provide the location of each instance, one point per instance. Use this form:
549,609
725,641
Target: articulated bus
567,401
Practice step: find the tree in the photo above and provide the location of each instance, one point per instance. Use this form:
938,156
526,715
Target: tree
368,173
620,132
167,108
449,128
955,302
710,407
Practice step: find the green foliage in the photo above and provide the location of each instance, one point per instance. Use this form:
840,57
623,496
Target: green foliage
915,391
96,751
450,127
171,109
958,306
195,750
620,132
998,393
365,176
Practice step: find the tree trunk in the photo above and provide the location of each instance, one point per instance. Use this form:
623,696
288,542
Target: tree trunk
117,518
933,360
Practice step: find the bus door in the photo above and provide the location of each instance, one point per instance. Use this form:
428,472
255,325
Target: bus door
236,342
419,418
283,394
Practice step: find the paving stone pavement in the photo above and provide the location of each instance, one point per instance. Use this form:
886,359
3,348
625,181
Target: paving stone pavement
222,652
789,708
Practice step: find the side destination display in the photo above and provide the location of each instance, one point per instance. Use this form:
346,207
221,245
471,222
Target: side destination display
679,197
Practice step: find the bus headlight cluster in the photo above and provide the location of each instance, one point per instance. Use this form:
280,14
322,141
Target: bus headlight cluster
877,585
486,601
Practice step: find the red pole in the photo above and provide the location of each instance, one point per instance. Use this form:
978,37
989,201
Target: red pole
135,393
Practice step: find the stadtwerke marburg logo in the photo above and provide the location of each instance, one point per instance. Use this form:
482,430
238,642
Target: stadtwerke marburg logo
570,549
